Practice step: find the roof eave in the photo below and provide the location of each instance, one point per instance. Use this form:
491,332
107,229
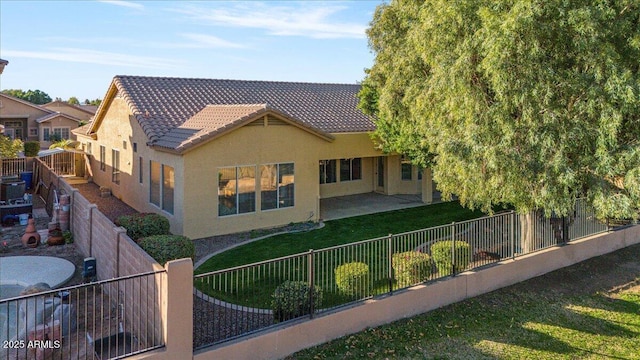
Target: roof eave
102,108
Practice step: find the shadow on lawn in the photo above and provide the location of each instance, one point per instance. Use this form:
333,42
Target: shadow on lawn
565,328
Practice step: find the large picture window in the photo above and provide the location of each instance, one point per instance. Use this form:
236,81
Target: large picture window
350,169
236,190
277,186
327,171
62,133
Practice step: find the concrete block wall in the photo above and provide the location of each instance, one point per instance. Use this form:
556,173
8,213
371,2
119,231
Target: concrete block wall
116,256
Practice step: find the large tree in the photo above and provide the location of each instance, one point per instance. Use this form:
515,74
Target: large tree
519,102
33,96
9,148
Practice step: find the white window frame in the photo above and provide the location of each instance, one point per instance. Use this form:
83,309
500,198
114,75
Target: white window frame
61,129
46,134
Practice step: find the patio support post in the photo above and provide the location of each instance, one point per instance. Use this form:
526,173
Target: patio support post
310,275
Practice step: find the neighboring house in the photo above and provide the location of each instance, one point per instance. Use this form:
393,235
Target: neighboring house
222,156
29,122
82,112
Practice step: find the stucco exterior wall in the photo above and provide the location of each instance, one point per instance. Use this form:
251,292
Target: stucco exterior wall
120,130
56,122
195,212
251,146
345,146
12,110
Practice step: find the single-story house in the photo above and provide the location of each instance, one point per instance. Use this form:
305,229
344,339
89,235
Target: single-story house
29,122
223,156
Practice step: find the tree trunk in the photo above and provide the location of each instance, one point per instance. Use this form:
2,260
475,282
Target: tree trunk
527,232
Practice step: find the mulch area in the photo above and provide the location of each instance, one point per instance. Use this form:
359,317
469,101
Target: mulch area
110,206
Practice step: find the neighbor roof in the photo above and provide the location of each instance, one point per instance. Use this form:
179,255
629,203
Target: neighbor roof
91,110
163,104
54,115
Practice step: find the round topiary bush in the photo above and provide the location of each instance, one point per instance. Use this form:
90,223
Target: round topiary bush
291,300
411,267
31,148
144,225
443,256
352,279
164,248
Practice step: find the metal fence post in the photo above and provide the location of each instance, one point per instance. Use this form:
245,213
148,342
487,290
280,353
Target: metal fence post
453,249
310,275
512,234
565,231
390,262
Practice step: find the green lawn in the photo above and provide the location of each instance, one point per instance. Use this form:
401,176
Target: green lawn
254,287
341,231
559,316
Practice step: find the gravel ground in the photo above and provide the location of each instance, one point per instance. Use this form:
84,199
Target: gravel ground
110,206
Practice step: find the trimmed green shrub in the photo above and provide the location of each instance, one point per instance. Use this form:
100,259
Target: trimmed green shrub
442,256
31,148
144,225
411,267
291,300
164,248
68,237
352,278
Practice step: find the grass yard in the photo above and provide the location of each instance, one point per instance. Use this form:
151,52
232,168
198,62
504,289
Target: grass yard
590,310
341,231
254,287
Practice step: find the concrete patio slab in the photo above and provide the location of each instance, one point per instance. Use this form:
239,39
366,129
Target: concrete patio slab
368,203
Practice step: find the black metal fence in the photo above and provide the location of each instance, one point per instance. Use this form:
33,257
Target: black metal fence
234,302
100,320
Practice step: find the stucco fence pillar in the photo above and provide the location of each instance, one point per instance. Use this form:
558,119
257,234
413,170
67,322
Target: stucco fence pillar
176,296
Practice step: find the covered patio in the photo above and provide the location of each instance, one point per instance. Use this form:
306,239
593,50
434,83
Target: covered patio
368,203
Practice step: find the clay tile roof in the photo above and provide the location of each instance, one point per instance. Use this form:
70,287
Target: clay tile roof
54,115
166,108
214,120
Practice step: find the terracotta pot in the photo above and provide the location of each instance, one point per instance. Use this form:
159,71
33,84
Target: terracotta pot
31,238
55,237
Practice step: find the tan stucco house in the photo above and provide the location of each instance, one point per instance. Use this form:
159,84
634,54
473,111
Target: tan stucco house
29,122
223,156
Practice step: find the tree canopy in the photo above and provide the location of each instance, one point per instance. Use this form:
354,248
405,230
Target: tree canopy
95,102
33,96
73,101
9,148
526,103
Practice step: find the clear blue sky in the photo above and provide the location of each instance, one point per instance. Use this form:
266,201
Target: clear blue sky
74,48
